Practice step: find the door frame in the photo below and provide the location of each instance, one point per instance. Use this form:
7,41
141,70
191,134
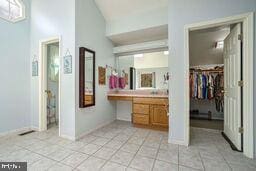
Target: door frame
247,20
42,68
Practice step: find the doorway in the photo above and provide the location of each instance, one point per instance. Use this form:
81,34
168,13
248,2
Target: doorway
240,130
215,71
49,84
53,63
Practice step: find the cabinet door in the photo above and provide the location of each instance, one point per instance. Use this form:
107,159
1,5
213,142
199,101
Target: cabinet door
158,115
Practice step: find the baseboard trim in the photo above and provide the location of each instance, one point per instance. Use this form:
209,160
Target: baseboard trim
121,119
68,137
178,142
34,128
15,131
94,129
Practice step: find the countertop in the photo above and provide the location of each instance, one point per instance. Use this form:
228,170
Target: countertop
137,93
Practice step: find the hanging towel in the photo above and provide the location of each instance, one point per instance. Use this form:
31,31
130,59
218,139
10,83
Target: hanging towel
113,82
121,82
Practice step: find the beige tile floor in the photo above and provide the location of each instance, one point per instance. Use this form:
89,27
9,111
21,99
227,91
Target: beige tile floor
119,146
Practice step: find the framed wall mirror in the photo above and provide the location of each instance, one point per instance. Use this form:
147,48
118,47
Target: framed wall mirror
86,77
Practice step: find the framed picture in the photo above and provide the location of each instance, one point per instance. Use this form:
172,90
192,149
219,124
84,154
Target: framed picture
147,80
102,75
35,68
67,62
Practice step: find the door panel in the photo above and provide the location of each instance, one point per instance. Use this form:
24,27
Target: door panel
232,96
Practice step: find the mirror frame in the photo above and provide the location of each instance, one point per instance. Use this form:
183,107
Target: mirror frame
82,51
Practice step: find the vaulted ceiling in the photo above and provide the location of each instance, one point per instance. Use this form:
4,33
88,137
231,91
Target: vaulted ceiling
134,21
116,9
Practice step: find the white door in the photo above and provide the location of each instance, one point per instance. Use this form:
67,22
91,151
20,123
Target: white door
232,97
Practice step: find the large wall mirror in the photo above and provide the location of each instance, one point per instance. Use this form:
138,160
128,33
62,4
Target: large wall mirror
86,77
145,71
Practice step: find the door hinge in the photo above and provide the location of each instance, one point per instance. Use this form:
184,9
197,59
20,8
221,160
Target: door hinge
241,83
240,37
241,130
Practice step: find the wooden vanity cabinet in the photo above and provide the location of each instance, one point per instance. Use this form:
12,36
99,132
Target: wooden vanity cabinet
158,115
150,111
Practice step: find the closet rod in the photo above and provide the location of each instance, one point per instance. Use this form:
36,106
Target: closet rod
207,70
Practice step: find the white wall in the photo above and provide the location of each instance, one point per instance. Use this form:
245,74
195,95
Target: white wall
90,33
14,74
148,19
192,12
55,18
124,110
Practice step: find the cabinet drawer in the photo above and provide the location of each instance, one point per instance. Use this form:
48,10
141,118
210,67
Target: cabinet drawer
141,119
141,108
160,101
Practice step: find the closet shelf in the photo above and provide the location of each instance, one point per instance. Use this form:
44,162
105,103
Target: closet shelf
207,70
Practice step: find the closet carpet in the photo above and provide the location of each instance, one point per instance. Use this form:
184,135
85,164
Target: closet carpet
208,124
121,147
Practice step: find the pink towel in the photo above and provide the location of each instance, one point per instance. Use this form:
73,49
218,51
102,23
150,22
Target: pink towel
113,82
121,82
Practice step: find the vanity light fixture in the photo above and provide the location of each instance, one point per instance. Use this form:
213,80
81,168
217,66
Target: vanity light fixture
166,52
138,55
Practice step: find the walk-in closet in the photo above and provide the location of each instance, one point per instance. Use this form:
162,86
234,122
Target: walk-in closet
206,79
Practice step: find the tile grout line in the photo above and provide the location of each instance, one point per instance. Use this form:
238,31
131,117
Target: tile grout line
157,153
223,157
109,160
136,152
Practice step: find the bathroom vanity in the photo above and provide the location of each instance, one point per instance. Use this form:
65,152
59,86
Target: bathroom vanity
143,100
150,110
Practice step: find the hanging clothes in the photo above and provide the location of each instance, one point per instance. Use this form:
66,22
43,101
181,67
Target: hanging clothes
199,87
195,85
191,85
207,85
204,86
219,96
210,87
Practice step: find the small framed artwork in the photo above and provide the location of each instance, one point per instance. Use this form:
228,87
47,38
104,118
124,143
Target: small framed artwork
35,68
67,62
147,80
102,75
